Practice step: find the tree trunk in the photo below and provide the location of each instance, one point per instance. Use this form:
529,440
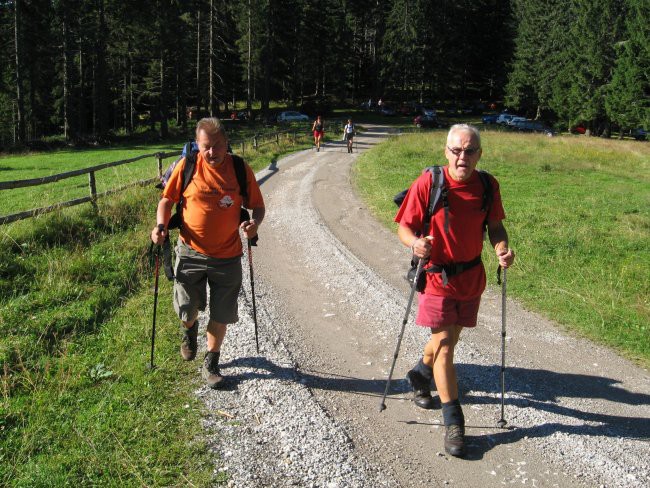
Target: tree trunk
131,110
210,61
20,104
100,92
197,85
68,131
125,97
268,60
249,101
162,101
81,105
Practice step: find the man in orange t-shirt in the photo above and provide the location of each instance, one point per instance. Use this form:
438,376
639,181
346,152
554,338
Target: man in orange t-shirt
209,247
451,301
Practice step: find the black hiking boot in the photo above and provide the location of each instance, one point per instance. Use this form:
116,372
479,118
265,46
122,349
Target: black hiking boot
210,370
421,389
189,342
455,440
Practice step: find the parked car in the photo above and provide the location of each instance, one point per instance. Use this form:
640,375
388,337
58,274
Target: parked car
578,129
240,115
408,108
385,110
428,112
289,116
503,119
532,126
428,121
490,119
640,134
510,123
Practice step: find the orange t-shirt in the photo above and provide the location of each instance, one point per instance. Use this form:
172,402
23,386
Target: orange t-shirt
211,206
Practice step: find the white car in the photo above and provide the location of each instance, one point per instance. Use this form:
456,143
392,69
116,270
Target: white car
292,117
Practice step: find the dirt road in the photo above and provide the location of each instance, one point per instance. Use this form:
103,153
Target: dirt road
331,299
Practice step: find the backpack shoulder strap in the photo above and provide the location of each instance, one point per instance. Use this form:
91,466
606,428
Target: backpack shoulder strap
190,166
437,186
240,173
488,194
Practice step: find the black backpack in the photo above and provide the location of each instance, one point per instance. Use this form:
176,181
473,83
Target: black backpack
438,194
176,220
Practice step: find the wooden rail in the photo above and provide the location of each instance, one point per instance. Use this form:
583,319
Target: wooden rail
10,185
7,219
257,141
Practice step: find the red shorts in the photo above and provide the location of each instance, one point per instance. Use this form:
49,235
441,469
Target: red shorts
319,133
436,312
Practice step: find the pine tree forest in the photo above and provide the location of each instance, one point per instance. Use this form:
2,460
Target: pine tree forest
89,69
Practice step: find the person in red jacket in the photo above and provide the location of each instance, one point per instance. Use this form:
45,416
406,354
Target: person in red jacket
318,128
456,276
209,247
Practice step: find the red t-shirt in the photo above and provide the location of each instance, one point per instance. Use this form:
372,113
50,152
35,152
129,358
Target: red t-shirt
465,238
211,206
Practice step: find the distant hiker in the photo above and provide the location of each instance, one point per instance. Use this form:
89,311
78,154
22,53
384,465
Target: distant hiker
319,130
455,277
348,134
209,247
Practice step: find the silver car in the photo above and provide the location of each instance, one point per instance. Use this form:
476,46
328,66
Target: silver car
290,116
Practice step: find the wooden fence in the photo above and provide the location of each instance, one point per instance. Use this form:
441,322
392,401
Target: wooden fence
255,143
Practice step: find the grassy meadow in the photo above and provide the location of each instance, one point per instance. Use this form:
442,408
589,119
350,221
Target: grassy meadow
79,405
578,216
40,164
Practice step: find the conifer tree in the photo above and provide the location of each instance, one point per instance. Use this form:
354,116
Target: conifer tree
627,99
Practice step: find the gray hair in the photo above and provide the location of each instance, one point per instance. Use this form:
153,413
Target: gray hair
466,128
211,126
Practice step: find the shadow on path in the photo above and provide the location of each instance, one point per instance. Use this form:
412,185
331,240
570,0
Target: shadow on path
540,391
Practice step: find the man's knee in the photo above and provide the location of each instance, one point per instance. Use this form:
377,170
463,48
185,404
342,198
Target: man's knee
215,327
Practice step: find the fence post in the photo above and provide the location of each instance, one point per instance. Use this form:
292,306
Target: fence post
255,142
93,190
277,138
242,148
160,159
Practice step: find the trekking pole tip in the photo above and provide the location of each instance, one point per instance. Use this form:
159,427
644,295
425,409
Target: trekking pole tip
382,407
501,424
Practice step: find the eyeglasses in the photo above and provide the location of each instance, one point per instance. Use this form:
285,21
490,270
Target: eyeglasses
469,151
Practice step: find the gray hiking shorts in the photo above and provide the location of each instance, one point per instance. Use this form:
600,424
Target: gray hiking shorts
193,272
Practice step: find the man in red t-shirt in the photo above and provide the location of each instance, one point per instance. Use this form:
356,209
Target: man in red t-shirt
450,301
209,248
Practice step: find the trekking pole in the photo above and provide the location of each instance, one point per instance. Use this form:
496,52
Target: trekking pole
382,405
250,267
502,422
155,298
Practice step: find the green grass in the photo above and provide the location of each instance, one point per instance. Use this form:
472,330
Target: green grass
79,406
36,165
578,216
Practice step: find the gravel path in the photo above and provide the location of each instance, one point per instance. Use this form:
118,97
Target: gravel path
330,302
